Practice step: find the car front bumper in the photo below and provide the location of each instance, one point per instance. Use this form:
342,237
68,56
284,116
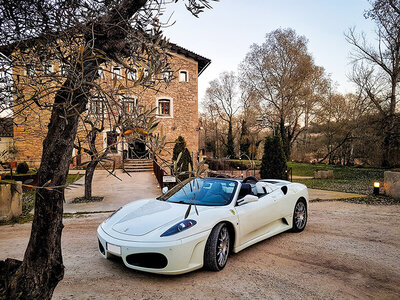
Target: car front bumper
183,255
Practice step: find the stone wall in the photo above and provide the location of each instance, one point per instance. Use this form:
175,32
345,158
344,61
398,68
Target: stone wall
10,200
392,184
31,127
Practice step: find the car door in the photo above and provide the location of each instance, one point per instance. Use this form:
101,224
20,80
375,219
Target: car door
254,217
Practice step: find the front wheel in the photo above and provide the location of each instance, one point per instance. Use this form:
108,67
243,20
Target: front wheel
300,216
217,248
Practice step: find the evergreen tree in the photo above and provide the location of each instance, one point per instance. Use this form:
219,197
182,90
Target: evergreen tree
180,145
230,146
273,163
244,140
186,158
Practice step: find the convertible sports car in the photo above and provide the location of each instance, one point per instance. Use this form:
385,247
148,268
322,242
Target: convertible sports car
200,221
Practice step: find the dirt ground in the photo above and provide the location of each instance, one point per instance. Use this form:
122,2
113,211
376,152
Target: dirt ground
347,251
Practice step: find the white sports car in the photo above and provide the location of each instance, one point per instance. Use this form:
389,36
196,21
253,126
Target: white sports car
200,221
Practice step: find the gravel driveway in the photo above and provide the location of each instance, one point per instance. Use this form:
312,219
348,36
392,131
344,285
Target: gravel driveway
347,251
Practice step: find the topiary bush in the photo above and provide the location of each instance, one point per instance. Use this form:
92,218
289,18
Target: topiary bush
22,168
273,164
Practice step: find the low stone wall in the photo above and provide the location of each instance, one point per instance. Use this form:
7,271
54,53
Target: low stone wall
324,174
10,200
392,184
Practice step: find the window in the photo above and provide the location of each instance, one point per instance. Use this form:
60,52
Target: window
164,107
101,73
97,106
128,105
116,72
30,69
64,70
47,69
112,140
166,75
183,76
133,74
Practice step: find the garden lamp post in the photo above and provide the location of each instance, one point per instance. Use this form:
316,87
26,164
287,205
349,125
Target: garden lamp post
376,188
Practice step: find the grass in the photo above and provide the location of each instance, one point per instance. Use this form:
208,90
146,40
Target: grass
347,179
84,200
28,203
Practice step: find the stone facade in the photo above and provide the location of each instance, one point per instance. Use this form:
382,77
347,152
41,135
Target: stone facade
392,184
31,126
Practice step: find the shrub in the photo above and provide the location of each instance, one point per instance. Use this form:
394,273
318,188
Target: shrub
273,163
22,168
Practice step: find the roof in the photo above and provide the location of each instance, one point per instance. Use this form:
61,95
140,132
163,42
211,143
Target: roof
6,127
201,60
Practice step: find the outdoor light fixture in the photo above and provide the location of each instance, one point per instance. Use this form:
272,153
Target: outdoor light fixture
376,188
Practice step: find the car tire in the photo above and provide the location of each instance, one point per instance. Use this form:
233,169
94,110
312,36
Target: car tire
300,216
217,248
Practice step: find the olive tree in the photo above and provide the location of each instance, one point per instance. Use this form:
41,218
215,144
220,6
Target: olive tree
81,36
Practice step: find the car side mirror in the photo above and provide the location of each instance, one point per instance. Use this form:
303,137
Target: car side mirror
164,189
247,199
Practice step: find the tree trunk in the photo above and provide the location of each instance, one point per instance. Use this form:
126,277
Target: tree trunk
90,168
42,267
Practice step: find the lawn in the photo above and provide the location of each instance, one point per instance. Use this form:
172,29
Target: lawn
347,179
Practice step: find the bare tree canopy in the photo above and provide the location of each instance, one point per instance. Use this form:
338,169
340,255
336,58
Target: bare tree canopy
282,74
376,68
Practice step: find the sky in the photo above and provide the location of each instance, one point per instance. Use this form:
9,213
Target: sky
225,33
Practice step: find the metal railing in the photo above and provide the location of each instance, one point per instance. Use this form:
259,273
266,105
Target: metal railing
159,173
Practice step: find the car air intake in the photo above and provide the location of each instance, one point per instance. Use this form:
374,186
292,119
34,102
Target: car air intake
101,248
147,260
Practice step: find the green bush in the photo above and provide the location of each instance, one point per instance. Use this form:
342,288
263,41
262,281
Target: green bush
22,168
273,163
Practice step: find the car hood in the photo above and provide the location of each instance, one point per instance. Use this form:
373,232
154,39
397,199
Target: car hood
144,216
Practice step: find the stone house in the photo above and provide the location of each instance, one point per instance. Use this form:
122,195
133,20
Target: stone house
175,103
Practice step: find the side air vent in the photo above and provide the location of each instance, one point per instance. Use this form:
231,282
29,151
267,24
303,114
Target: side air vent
147,260
284,189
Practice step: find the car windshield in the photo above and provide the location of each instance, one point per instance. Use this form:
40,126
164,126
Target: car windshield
199,191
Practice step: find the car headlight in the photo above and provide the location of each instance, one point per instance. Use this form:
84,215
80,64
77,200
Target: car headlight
181,226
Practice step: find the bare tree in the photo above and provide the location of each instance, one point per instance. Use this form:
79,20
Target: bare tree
281,72
222,95
82,36
376,69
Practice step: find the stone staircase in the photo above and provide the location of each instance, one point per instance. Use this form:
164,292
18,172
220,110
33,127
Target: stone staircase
138,165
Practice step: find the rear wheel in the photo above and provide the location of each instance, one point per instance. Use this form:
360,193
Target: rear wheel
217,248
300,216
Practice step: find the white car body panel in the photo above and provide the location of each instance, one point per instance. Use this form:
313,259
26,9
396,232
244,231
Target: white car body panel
138,226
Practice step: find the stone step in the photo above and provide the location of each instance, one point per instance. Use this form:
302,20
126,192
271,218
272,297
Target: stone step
138,170
138,166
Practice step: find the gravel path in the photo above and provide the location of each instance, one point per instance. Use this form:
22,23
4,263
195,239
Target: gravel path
347,251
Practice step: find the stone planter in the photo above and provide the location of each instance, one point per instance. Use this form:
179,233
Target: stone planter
10,200
324,174
392,184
